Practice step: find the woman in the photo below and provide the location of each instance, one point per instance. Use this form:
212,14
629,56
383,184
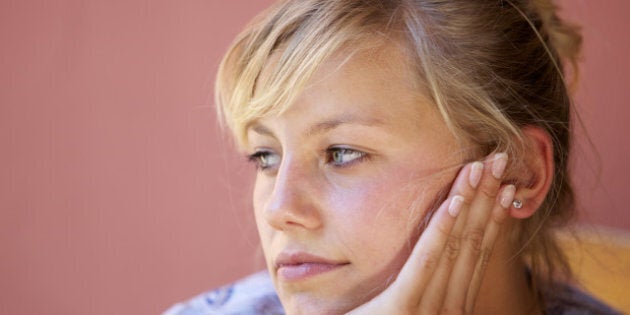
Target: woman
411,155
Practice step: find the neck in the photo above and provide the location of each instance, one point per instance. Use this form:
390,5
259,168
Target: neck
505,288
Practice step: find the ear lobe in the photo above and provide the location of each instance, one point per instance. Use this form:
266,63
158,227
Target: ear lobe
534,179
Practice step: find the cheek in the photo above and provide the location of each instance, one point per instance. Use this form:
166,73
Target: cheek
377,220
262,192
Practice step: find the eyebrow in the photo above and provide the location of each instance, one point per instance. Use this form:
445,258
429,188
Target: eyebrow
325,125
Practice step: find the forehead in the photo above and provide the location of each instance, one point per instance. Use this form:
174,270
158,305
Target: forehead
369,87
386,64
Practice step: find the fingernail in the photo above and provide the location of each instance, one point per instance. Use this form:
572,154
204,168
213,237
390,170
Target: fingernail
498,165
507,196
475,174
456,205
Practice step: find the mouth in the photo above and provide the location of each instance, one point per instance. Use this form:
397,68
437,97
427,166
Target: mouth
297,266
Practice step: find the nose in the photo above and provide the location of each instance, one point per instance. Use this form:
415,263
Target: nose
292,204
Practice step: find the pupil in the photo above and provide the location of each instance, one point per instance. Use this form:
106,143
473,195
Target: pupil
338,155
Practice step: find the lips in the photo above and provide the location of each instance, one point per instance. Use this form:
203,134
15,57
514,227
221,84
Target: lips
299,266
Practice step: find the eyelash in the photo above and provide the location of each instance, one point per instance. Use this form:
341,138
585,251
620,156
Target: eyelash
362,156
258,157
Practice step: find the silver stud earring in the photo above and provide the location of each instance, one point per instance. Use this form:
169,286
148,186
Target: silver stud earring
517,204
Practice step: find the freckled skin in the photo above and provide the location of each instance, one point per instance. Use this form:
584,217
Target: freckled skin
365,214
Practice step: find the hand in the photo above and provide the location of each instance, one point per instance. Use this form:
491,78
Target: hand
444,271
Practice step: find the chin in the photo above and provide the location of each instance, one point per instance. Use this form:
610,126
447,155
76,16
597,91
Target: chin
307,303
302,304
315,309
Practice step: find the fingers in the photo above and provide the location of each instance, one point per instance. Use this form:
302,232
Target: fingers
473,232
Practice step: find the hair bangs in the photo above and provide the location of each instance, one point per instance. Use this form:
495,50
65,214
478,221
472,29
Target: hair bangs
272,61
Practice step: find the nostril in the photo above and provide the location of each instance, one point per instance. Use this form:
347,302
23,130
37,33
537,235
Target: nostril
291,207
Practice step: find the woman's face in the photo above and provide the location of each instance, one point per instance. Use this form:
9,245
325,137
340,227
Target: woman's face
345,177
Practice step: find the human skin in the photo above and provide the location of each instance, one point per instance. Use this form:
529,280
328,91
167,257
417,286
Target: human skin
347,175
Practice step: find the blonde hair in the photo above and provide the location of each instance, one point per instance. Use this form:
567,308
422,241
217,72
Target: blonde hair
491,67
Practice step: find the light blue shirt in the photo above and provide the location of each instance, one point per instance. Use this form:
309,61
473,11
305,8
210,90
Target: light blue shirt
255,295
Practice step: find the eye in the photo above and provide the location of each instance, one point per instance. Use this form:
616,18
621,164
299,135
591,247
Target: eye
264,159
341,157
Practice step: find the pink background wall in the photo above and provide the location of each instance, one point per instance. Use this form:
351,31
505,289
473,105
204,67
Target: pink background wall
117,194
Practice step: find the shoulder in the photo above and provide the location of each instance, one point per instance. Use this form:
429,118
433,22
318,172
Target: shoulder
568,300
252,295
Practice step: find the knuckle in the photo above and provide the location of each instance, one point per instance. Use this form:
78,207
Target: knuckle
428,261
474,239
452,249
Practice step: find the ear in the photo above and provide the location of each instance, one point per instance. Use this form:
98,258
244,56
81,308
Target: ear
534,172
